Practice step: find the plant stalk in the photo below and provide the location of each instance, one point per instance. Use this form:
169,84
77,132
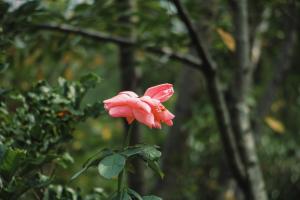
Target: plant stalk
121,177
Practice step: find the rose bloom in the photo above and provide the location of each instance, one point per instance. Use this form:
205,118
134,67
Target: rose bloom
147,109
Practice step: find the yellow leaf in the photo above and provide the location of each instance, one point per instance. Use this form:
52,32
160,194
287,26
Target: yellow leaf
275,125
227,39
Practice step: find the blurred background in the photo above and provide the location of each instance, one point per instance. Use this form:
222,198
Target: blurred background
131,45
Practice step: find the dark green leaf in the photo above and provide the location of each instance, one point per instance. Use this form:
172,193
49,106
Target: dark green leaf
65,160
155,167
134,194
122,196
126,196
90,80
146,151
150,153
92,161
151,197
130,151
11,159
111,166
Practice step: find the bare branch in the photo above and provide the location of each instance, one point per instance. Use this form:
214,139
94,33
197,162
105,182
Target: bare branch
257,43
217,97
209,65
243,74
102,37
240,112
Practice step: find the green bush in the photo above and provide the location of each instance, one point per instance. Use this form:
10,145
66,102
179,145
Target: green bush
35,127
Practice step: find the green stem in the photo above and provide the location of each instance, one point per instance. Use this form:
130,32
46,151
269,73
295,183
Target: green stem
120,184
121,176
126,140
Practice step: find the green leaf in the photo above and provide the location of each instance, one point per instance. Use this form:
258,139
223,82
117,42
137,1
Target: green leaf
41,159
130,151
92,161
111,166
40,181
155,167
150,153
151,197
99,155
123,196
146,151
10,159
90,80
126,196
134,194
65,160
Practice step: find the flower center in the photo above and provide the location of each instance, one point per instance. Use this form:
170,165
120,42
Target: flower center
159,108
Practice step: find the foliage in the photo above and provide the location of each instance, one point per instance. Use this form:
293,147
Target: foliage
113,163
35,127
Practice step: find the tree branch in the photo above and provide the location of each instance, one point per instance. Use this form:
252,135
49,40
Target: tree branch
217,97
257,43
102,37
242,76
244,70
209,65
239,108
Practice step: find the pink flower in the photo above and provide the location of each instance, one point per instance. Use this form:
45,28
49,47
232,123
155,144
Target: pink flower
147,109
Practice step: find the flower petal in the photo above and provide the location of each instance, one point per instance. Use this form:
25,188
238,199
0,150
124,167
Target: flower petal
137,103
115,101
121,111
143,117
169,122
160,92
126,100
129,93
165,115
150,101
157,125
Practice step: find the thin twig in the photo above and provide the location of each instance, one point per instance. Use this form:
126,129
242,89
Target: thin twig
102,37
